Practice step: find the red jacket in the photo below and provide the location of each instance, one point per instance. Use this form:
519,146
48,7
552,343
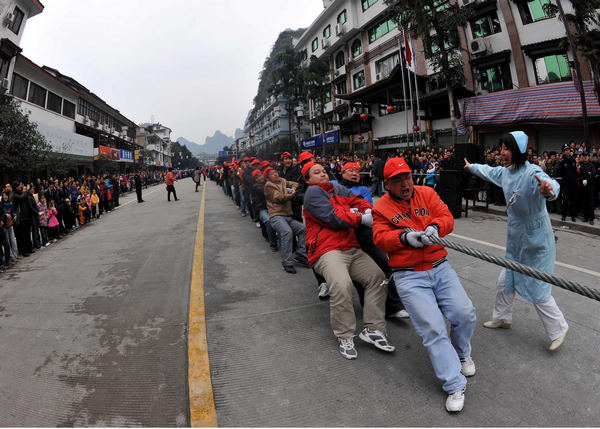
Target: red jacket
390,218
329,222
170,179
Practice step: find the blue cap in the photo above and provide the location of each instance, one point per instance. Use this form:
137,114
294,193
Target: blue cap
521,139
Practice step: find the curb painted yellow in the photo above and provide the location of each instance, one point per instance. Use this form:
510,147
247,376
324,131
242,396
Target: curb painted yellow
202,403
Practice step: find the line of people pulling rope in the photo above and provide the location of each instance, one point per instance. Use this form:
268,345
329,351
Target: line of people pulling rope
387,250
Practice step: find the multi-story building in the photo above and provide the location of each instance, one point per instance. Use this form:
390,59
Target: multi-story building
78,124
13,17
155,138
507,46
269,122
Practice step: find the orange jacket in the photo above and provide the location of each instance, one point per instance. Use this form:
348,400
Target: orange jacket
390,218
170,179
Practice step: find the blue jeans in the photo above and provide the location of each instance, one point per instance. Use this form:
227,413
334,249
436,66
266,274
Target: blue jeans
429,296
377,188
264,218
287,228
242,202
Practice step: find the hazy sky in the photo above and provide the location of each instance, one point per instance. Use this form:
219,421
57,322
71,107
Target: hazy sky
191,64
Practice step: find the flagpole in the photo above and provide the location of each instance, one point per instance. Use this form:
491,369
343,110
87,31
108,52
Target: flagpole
403,84
410,92
418,104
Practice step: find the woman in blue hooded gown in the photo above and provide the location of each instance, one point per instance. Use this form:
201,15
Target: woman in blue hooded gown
529,240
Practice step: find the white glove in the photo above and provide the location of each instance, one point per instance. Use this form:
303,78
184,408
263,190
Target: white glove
584,182
367,220
413,238
430,231
368,211
353,210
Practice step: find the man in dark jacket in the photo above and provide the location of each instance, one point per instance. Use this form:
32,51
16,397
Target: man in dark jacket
137,181
24,211
587,176
377,173
259,203
567,170
292,174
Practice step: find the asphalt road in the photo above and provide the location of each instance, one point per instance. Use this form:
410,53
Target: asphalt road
274,359
93,328
93,332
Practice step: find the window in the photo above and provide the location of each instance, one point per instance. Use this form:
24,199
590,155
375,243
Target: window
342,18
367,4
37,95
552,68
385,66
495,78
327,32
383,109
54,102
4,65
535,10
315,44
15,26
381,29
19,86
328,96
340,87
317,128
435,48
339,59
359,79
356,48
68,109
303,55
486,25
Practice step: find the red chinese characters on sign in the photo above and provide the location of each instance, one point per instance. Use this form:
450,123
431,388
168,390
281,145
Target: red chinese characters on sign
108,154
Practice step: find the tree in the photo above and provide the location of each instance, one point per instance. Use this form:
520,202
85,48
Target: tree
316,78
436,22
22,147
289,83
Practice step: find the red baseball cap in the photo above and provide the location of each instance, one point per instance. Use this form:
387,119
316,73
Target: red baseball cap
353,165
256,173
304,156
265,164
284,154
246,159
255,162
307,167
395,166
267,171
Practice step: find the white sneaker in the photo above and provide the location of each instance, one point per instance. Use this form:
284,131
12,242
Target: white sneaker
347,348
558,342
455,401
402,314
323,291
377,338
258,224
467,366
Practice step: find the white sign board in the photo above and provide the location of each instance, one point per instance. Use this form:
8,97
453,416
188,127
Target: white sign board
66,142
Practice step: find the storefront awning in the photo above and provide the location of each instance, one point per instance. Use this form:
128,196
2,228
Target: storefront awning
553,103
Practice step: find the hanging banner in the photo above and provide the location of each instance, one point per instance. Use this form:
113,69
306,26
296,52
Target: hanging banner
126,155
314,141
332,137
136,154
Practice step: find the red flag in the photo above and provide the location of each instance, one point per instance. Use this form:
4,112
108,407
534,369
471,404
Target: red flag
407,52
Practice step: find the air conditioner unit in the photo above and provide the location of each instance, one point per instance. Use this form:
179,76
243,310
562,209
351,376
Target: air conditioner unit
337,72
4,84
468,2
482,92
9,18
478,46
324,43
378,76
304,63
339,29
124,129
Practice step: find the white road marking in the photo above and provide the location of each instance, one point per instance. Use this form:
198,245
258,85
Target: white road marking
560,264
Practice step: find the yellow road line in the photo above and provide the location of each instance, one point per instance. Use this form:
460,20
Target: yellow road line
202,403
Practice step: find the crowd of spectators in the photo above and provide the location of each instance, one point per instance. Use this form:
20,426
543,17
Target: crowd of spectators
36,214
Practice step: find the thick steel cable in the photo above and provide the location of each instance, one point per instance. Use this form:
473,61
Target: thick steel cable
520,268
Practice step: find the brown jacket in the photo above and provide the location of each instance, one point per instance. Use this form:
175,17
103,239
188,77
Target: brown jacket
279,201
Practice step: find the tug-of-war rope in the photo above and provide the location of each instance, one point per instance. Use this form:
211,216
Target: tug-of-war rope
520,268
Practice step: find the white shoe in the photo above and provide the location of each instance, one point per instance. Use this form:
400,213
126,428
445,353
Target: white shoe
347,348
455,401
495,324
467,366
323,291
558,342
258,224
402,314
377,338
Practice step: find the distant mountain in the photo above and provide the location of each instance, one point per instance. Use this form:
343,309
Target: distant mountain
211,145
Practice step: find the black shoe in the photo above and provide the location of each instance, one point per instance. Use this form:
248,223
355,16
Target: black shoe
301,261
592,222
274,249
563,218
26,255
289,269
573,218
